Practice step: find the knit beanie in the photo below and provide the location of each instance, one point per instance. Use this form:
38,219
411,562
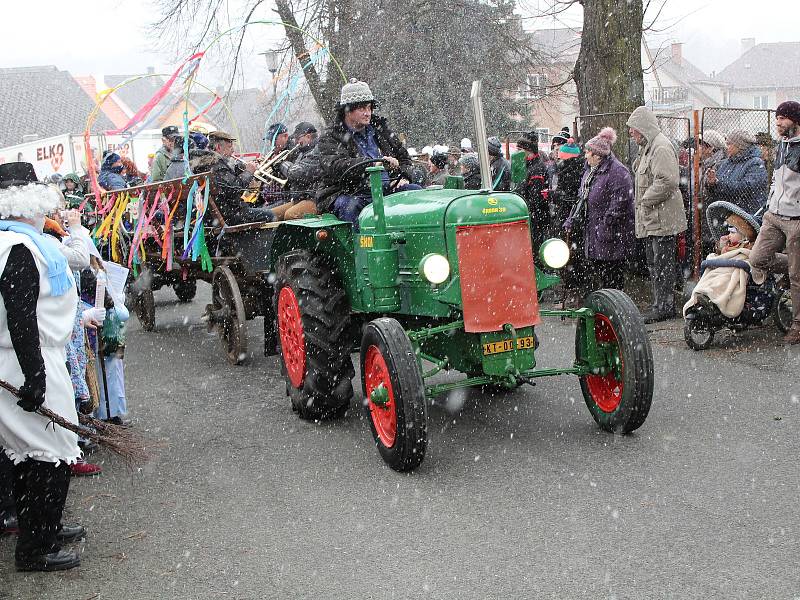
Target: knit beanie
494,145
789,109
601,144
741,139
470,161
569,150
713,138
355,92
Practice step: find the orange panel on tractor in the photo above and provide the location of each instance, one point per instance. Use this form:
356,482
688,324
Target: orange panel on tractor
498,279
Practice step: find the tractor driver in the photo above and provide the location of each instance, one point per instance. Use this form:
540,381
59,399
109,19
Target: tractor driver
357,134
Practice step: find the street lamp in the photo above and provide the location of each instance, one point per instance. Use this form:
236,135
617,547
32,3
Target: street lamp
273,62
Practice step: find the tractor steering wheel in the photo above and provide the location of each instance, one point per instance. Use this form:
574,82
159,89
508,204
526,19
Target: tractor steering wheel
392,181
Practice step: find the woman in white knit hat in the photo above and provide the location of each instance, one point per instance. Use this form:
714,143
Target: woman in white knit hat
37,313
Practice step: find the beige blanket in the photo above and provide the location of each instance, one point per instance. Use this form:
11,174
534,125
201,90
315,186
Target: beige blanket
726,286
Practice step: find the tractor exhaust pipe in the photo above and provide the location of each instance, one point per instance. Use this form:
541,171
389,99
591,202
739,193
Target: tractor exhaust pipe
480,136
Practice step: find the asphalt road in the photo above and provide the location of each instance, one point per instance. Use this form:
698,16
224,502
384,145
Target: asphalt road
520,495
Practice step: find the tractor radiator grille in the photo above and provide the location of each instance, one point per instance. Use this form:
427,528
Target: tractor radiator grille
498,280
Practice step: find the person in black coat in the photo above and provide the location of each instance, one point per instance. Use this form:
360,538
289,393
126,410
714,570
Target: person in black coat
534,189
357,134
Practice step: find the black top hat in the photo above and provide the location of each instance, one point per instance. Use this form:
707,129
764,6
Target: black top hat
17,173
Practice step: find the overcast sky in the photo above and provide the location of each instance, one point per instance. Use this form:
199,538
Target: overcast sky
109,36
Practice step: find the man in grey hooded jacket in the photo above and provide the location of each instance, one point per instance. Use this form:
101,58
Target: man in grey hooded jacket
659,211
781,227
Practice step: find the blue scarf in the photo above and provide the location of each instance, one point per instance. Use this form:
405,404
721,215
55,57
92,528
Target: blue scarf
56,262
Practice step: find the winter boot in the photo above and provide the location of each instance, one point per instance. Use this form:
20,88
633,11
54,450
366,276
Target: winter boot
40,490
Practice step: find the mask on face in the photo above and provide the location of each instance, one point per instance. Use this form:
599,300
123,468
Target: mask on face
117,169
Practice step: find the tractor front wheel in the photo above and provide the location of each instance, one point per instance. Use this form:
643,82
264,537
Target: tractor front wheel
394,394
313,324
619,400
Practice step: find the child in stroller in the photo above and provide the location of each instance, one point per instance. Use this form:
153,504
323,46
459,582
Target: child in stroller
731,294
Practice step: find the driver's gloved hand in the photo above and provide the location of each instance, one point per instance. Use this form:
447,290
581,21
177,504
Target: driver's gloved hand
31,395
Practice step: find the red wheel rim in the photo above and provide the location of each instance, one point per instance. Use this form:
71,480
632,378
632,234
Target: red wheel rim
384,417
293,341
606,390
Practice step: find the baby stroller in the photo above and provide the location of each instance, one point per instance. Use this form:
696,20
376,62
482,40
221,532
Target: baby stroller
770,299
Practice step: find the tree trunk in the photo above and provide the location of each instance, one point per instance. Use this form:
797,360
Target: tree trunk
608,73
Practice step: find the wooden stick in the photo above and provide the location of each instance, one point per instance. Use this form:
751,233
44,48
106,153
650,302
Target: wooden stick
118,439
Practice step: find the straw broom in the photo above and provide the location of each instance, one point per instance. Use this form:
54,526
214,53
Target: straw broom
120,440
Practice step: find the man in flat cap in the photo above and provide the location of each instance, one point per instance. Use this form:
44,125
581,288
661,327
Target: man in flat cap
231,179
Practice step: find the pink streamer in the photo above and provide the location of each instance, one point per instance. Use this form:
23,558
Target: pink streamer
159,95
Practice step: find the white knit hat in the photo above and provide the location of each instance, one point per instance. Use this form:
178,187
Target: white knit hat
354,92
466,144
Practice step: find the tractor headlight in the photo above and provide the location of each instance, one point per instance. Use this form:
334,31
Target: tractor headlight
435,268
554,253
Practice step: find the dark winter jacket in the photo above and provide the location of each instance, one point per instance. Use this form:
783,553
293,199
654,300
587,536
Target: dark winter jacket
305,172
230,181
742,180
608,233
501,173
534,192
338,151
567,179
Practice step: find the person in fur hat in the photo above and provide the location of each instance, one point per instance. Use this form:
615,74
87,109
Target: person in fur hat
37,313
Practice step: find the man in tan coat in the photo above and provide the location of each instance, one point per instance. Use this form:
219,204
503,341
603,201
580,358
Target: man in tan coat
660,215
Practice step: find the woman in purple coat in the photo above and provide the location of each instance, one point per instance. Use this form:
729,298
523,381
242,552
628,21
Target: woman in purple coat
605,208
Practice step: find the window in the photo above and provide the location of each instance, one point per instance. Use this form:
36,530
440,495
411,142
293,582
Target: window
536,88
760,101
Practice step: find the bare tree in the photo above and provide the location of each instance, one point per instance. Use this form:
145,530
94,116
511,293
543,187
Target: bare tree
418,55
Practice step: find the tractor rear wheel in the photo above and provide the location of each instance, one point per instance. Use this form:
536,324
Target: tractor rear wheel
394,394
620,400
313,324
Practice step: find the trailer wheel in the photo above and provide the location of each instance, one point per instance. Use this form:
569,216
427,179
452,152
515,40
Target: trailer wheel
313,317
697,336
620,400
394,394
226,299
782,311
185,290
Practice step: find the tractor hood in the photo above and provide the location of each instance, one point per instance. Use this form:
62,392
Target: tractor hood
425,209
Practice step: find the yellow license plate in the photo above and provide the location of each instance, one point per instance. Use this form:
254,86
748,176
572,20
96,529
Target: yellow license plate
523,343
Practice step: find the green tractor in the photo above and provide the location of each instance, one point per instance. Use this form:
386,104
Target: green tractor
433,280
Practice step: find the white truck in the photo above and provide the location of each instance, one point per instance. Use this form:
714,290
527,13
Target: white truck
66,153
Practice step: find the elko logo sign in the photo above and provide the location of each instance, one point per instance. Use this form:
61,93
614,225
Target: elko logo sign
54,153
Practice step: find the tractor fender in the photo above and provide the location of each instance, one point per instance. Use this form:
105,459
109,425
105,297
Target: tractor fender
320,235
